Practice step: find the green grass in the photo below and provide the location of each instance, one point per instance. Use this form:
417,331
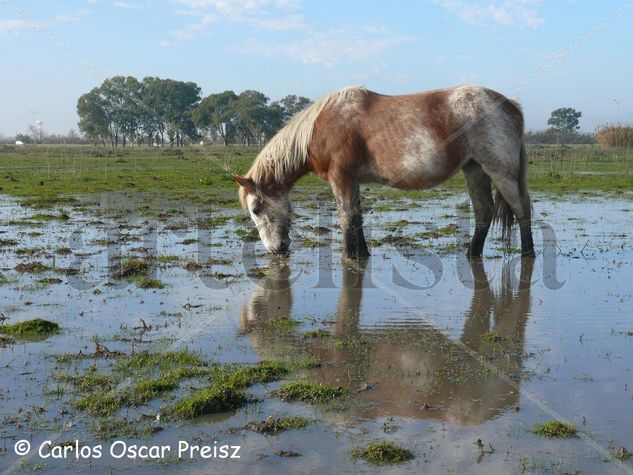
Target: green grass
320,333
383,453
309,392
131,269
209,400
273,426
152,388
242,377
35,328
555,429
151,284
87,382
47,175
168,360
99,403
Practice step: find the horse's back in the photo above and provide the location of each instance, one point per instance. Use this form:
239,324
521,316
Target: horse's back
415,140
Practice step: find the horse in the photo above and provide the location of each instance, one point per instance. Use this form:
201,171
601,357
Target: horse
414,141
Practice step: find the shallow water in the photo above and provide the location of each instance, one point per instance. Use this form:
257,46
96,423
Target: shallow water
410,334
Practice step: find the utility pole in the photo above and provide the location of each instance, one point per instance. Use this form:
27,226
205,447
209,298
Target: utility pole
617,103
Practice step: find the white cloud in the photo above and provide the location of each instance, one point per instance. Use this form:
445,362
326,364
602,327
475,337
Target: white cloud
128,5
337,45
13,26
275,15
521,13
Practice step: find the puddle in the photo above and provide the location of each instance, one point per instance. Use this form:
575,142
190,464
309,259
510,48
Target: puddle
435,351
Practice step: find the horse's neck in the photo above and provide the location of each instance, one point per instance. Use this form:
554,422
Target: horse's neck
283,184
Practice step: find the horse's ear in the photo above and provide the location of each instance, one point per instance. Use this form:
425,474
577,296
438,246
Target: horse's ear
247,183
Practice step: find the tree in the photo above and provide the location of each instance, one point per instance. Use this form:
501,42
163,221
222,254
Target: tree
217,115
292,104
168,108
251,115
565,119
93,120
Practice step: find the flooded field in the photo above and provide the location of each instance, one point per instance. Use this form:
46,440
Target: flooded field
176,328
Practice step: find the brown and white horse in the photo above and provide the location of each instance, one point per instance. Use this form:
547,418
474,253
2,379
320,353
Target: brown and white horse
414,141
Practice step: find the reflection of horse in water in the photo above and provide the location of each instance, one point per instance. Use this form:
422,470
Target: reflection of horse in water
413,370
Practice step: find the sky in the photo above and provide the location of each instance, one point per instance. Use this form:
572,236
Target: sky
545,53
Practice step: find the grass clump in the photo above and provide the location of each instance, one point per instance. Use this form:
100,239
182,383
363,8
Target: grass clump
37,327
383,453
143,360
272,426
99,403
209,400
151,284
320,333
32,267
263,372
489,337
149,389
281,321
623,454
86,382
130,268
309,392
554,429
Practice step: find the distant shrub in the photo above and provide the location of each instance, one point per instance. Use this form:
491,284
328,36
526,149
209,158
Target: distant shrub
610,136
553,136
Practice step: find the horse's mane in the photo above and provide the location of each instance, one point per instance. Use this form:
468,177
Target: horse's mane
288,149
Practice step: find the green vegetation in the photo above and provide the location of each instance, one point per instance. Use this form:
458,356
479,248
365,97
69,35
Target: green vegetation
272,426
169,360
152,388
208,401
130,269
309,392
623,454
383,453
99,403
556,429
35,328
320,333
32,268
67,171
242,377
151,284
489,337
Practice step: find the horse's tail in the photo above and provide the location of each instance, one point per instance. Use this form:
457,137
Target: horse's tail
503,211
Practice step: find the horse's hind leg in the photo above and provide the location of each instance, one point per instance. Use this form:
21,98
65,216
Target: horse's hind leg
518,199
480,190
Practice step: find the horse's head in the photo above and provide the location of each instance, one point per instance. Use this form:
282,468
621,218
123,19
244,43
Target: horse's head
270,211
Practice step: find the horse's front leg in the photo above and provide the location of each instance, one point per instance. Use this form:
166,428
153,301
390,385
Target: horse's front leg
351,220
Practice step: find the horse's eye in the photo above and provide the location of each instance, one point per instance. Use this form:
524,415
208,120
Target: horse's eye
257,209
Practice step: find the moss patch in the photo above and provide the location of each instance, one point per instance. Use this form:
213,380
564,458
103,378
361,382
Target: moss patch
556,429
309,392
35,328
383,453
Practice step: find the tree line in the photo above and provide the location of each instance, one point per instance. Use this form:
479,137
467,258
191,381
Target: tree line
124,110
